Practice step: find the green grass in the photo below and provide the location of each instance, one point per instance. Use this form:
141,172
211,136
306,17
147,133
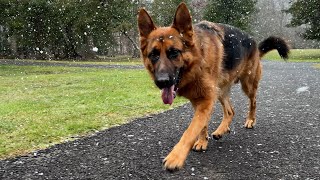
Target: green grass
297,55
41,106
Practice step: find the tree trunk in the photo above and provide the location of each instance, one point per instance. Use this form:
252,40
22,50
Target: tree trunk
86,50
13,45
69,49
136,50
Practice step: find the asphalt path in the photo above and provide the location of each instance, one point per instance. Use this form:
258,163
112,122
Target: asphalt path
19,62
285,143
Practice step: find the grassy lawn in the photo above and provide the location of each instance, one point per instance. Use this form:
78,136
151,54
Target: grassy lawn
297,55
41,106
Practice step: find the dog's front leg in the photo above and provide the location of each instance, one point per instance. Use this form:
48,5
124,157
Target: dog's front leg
203,109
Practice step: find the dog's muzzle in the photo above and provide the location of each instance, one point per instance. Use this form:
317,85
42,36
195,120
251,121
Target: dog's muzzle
164,80
168,85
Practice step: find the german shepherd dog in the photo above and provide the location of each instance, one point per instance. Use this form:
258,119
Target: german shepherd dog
201,62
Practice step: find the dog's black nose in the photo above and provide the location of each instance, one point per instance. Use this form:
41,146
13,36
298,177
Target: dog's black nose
163,80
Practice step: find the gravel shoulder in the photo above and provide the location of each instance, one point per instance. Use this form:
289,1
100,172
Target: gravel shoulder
285,144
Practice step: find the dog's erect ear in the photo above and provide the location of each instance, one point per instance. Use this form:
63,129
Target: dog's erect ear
145,23
183,22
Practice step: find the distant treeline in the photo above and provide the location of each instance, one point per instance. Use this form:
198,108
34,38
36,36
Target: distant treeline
65,29
84,29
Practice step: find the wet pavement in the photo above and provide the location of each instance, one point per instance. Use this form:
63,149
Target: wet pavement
285,143
20,62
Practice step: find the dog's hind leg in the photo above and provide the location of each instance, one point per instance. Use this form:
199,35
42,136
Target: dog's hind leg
228,114
250,86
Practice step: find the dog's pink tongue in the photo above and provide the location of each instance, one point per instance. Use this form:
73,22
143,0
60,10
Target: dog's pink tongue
168,95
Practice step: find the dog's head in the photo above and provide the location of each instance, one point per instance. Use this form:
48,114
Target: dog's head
164,49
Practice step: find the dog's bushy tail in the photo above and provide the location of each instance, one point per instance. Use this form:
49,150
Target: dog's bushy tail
277,43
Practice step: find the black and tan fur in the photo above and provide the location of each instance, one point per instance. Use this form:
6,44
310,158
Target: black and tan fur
201,62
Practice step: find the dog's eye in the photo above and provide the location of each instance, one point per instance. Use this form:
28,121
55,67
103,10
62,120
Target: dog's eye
173,53
154,56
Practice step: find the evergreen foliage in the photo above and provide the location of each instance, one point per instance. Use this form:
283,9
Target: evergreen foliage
306,13
233,12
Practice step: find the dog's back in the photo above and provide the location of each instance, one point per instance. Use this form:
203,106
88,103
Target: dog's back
238,45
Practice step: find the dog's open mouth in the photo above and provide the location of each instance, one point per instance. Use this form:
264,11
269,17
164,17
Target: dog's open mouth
168,94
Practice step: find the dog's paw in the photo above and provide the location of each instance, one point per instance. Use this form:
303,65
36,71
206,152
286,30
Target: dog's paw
217,134
200,145
174,160
249,124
